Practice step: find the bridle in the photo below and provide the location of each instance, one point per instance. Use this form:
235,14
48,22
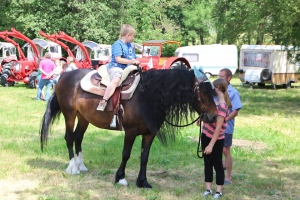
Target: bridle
203,111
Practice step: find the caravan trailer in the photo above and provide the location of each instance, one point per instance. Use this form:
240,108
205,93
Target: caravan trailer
270,64
212,58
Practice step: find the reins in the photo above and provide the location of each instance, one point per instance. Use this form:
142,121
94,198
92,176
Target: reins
182,125
199,148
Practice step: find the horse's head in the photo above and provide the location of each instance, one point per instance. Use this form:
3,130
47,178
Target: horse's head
204,92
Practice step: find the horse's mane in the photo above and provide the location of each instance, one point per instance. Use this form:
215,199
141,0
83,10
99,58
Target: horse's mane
166,95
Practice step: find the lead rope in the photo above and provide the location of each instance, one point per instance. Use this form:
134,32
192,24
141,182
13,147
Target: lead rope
199,149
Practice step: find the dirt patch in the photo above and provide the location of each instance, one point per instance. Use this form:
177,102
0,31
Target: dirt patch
244,144
248,143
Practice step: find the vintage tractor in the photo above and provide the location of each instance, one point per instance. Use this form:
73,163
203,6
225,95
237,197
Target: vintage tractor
159,54
98,53
84,61
18,70
7,52
42,46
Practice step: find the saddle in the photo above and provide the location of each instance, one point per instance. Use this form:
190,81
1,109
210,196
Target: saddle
96,82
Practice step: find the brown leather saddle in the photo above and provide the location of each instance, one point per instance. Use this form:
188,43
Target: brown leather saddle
96,82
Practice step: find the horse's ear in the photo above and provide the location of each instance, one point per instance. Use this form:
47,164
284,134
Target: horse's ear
199,74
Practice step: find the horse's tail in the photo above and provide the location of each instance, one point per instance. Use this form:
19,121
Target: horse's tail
51,114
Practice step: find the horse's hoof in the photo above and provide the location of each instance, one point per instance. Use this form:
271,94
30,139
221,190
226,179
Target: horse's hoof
83,168
143,184
123,182
72,171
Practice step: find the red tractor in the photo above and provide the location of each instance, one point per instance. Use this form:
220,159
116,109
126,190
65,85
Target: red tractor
159,54
98,53
18,70
42,46
84,62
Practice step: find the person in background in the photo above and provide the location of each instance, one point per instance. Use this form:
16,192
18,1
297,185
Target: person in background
123,55
57,71
47,69
233,112
42,97
212,140
70,64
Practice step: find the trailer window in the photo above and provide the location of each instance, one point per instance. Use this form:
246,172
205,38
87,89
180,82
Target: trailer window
256,59
191,57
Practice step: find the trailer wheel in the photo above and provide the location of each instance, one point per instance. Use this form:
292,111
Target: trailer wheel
4,76
288,85
33,81
178,65
266,75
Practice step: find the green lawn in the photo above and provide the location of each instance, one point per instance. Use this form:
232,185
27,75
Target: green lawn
265,152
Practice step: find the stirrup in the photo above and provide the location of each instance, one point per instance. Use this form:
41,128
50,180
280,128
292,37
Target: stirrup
101,106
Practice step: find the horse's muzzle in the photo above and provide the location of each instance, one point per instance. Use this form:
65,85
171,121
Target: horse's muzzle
207,118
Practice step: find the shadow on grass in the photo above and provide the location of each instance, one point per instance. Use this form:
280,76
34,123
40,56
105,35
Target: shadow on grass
47,164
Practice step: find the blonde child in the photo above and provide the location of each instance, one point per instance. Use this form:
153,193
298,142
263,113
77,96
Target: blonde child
123,55
212,140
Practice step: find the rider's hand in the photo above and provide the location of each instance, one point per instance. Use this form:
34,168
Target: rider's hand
134,61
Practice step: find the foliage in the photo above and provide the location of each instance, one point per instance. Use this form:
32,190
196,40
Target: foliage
192,22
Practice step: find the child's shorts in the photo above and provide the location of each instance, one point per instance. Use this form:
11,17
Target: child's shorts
115,72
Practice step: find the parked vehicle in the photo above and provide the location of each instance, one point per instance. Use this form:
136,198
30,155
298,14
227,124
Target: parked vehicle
159,54
98,53
212,58
7,50
84,61
42,46
138,49
18,70
7,53
273,64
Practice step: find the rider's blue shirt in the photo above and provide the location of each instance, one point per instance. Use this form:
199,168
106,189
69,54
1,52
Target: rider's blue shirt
119,48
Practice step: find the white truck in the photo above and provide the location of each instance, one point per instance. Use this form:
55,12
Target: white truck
212,58
272,64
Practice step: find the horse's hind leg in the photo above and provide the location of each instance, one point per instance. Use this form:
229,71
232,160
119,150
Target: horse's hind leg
146,145
128,142
79,133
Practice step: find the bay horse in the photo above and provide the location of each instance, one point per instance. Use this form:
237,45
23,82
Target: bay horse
174,96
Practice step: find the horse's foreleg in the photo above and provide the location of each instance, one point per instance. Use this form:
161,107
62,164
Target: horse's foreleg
128,142
142,177
69,137
81,127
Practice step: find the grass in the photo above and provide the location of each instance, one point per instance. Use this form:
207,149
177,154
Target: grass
265,152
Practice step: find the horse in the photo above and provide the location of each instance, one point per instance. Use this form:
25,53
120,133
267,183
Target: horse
162,101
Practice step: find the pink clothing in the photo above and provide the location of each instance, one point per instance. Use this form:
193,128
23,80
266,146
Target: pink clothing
47,65
209,129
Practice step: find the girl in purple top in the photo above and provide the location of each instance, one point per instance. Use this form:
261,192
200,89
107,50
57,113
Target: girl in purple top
212,140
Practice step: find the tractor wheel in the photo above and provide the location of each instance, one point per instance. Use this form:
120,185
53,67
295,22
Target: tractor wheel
178,65
33,81
4,76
